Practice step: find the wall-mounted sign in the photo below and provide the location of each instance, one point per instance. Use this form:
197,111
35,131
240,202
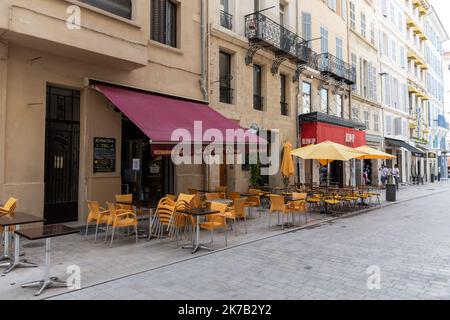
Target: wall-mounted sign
136,164
104,155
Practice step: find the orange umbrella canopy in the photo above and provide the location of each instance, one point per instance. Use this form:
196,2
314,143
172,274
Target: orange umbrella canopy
287,163
327,152
372,153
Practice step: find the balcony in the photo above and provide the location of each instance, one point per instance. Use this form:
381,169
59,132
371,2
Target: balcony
226,20
263,32
336,68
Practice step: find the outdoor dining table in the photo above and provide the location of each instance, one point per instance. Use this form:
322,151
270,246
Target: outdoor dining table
197,213
17,219
47,233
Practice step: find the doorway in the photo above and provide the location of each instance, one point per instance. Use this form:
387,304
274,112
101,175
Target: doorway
62,148
148,177
337,173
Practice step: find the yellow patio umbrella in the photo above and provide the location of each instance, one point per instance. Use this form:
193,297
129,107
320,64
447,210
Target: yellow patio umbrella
287,163
327,152
371,153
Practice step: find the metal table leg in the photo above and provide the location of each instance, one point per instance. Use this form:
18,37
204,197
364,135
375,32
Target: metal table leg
16,263
6,245
196,245
48,282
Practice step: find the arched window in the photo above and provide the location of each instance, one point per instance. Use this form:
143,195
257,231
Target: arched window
122,8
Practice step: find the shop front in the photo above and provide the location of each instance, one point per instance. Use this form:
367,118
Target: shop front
318,127
411,160
153,126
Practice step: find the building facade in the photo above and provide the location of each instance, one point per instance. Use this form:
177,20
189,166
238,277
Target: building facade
437,123
366,103
52,117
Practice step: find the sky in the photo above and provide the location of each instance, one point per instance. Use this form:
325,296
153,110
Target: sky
442,8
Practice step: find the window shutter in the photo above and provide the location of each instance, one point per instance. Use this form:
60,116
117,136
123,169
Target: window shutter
158,12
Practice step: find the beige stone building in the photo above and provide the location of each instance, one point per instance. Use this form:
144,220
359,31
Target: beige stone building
52,52
366,105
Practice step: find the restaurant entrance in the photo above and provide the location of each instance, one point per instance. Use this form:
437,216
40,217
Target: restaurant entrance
146,176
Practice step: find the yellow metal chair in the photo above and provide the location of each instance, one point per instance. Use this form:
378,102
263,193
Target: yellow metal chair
213,196
216,221
8,209
233,195
171,196
180,223
299,207
238,212
163,215
277,205
127,198
97,214
192,191
253,202
121,219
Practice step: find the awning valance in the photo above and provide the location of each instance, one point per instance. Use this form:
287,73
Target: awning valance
163,119
402,144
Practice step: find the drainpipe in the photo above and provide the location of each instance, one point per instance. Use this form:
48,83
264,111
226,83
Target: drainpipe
203,85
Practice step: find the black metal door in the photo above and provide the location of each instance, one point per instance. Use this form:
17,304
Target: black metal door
62,146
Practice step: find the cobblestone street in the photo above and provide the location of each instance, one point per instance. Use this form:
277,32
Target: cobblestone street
409,242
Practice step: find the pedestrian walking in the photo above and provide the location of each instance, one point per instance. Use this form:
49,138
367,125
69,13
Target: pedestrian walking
384,174
396,175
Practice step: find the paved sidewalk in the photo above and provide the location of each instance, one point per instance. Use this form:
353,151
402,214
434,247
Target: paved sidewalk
408,242
101,264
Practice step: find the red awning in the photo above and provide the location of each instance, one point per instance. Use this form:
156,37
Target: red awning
160,116
317,132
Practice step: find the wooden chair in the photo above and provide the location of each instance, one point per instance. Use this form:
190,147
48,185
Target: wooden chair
277,205
96,214
216,221
122,219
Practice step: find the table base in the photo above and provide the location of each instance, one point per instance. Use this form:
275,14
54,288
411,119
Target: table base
13,265
45,284
196,248
5,258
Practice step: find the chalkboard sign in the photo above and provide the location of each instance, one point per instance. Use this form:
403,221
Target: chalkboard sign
104,155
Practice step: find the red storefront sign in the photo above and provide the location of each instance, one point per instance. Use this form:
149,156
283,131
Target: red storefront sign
317,132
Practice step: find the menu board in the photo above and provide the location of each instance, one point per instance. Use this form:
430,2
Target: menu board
104,155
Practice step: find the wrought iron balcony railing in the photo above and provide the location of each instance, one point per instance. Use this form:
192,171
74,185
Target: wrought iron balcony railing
226,94
336,68
226,20
258,102
284,108
266,33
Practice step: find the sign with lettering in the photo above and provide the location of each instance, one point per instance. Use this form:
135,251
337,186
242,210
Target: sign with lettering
104,155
